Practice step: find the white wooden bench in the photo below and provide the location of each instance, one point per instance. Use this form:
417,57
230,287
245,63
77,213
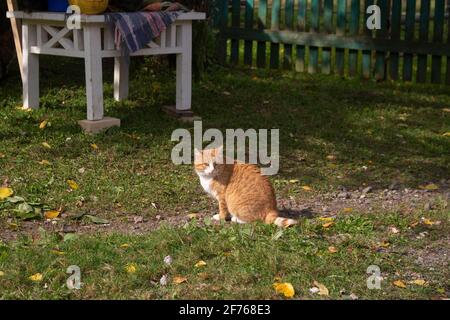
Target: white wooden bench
47,33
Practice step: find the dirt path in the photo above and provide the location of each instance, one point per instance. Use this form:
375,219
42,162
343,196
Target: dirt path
368,201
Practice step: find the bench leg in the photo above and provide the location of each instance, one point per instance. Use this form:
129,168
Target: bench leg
30,68
121,77
94,72
184,69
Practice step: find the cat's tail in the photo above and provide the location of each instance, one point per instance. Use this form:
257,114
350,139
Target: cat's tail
274,217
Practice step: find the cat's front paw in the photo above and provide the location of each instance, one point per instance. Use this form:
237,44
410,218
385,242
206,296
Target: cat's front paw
216,217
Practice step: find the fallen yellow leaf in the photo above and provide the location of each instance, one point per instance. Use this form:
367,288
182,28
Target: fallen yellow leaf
419,282
179,279
447,134
428,222
203,275
400,284
43,124
331,157
46,145
323,291
125,245
384,244
430,187
59,253
192,215
293,181
327,225
306,188
332,249
2,274
72,184
94,146
284,288
36,277
326,219
131,268
348,210
6,193
413,224
200,264
45,163
52,214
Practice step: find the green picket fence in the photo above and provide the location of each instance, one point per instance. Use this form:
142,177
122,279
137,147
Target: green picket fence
330,36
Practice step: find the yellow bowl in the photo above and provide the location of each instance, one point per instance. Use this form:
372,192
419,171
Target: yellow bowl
91,6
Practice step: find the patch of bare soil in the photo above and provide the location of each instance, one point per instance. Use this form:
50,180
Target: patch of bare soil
308,205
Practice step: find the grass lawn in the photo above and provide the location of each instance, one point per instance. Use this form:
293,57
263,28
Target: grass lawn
132,204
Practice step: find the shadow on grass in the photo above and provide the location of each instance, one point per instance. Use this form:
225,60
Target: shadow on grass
378,133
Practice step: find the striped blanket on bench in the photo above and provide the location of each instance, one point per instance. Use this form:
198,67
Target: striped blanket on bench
135,30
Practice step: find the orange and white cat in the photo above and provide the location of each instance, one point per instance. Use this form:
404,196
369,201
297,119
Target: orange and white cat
244,195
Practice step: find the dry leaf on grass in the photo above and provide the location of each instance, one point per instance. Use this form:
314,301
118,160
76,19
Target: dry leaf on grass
46,145
5,193
43,124
131,268
429,187
200,264
327,225
72,184
179,279
284,288
307,188
399,284
52,214
36,277
332,249
384,244
419,282
323,291
45,163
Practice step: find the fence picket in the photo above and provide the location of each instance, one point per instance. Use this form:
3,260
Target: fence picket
235,22
248,44
262,20
354,30
275,25
328,25
396,21
422,59
223,22
367,54
436,62
380,57
409,35
340,30
289,17
301,27
314,51
447,80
